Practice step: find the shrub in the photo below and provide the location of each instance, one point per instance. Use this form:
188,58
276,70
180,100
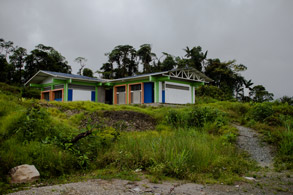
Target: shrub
9,89
195,117
35,125
260,111
212,91
28,92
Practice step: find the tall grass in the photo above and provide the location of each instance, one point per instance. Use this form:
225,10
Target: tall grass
184,154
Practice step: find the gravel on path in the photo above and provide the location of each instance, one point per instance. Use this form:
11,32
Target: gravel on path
249,141
116,187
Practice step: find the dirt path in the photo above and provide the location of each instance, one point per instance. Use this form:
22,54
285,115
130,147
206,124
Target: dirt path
265,183
249,141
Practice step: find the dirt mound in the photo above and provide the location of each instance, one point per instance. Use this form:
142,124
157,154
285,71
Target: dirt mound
120,120
129,120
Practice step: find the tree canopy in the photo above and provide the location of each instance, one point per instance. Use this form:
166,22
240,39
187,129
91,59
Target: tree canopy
17,66
45,58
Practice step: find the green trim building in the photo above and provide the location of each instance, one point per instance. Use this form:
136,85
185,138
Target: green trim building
175,86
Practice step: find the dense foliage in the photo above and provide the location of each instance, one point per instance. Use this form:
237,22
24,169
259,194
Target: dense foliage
17,66
194,142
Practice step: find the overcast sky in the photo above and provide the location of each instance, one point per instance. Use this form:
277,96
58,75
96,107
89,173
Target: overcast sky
256,33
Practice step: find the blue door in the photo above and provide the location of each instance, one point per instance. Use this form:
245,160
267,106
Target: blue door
163,96
148,92
93,96
70,93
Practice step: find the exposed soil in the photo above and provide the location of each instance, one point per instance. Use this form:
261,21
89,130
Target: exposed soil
121,120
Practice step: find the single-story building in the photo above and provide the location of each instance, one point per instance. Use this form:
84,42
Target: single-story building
175,86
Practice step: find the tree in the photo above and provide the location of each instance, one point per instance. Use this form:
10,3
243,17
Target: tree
107,71
81,61
168,63
226,75
87,72
17,59
287,99
260,94
45,58
146,56
248,85
6,70
195,57
6,47
123,57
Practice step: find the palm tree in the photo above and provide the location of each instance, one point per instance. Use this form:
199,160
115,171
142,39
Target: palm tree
248,85
195,57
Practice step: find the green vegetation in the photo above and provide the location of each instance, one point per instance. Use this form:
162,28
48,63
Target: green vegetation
193,142
17,66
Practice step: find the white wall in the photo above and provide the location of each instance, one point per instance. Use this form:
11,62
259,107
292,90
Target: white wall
81,95
177,96
160,92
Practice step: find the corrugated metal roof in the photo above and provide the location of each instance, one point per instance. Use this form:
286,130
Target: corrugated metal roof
73,76
85,78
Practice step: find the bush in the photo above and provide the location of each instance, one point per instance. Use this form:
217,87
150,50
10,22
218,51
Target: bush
195,117
9,89
212,91
28,92
260,111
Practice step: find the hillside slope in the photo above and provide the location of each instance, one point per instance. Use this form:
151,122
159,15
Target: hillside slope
193,142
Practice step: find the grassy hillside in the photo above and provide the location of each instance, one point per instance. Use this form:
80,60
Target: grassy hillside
193,142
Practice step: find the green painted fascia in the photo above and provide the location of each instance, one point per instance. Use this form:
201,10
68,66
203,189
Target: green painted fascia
96,94
157,91
41,85
130,82
58,81
197,84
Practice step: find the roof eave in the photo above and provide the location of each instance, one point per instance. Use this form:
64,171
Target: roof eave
32,78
